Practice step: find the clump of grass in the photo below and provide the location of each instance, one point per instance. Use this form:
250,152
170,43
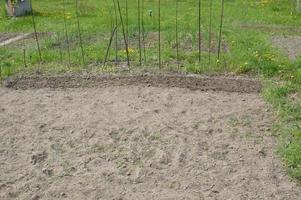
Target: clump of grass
288,126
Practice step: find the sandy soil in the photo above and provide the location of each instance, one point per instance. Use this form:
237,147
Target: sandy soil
289,45
138,142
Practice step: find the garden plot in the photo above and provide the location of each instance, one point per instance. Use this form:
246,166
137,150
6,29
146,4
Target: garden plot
138,142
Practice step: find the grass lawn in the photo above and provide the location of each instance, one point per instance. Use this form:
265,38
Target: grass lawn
246,47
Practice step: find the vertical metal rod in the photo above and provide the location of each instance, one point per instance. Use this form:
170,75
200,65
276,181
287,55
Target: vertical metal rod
139,32
80,34
109,46
159,34
35,32
210,30
66,34
24,58
60,47
111,24
127,20
199,27
24,48
177,36
124,36
143,30
220,29
116,33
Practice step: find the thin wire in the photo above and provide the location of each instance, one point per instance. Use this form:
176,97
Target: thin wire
177,37
220,30
139,33
210,30
199,26
159,27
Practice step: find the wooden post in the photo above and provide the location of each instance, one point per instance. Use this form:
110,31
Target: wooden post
10,8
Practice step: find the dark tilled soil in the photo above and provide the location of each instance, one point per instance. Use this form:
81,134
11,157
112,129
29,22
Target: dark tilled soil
193,82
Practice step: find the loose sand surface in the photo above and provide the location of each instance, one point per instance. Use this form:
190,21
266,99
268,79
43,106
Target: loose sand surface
138,142
290,45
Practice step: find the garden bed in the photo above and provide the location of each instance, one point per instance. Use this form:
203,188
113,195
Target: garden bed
137,142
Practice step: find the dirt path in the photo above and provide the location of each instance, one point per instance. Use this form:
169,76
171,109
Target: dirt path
135,142
13,39
289,45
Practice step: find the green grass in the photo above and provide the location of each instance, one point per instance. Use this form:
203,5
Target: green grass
288,125
249,48
96,19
